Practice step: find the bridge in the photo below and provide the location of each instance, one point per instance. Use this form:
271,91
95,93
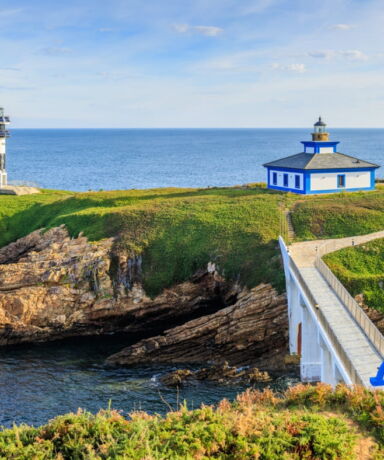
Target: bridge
335,339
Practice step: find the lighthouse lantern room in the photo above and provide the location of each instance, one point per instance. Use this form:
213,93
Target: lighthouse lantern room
320,168
4,122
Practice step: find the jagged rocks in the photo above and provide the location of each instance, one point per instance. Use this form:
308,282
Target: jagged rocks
221,373
253,330
53,286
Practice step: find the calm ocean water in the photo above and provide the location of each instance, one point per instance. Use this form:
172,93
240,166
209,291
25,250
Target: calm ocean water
41,381
143,158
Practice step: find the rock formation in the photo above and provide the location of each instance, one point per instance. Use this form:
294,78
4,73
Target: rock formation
252,330
53,286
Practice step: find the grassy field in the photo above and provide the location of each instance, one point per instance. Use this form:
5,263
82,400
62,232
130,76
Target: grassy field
339,215
177,230
361,270
180,230
312,422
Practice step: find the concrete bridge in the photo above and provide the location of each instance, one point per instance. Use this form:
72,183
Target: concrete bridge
335,339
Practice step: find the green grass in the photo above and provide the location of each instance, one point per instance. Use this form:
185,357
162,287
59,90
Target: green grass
179,230
361,270
339,215
313,422
176,230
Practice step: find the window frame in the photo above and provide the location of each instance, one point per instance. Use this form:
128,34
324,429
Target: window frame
285,180
274,178
297,181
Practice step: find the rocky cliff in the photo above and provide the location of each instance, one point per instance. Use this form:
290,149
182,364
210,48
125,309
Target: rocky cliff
53,286
252,330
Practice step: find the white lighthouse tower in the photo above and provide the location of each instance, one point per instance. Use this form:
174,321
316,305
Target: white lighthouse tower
4,122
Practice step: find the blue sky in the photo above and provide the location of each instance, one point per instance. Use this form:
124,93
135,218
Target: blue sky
198,63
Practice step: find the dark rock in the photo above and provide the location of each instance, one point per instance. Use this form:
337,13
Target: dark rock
252,331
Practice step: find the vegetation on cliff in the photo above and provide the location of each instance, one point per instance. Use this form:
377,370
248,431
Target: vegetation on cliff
338,215
361,269
307,422
177,230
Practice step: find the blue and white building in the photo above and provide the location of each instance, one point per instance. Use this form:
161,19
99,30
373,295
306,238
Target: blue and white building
320,168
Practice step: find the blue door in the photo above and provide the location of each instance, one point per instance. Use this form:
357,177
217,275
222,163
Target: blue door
341,181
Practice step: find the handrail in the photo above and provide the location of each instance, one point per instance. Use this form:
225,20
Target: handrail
361,318
347,363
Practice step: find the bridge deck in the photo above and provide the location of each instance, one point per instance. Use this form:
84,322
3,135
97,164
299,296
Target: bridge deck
363,356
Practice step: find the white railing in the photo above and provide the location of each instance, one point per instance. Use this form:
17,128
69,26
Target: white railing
361,318
332,337
358,314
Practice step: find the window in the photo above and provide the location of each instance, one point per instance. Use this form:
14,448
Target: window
274,178
297,181
285,180
340,180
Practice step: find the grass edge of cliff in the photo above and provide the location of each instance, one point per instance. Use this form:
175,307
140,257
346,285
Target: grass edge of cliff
305,422
177,231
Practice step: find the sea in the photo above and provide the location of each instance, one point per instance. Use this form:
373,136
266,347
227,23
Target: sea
38,382
105,159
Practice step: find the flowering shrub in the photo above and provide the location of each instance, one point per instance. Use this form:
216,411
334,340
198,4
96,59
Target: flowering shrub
311,422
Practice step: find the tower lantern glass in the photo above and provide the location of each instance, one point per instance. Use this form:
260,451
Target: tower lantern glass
319,132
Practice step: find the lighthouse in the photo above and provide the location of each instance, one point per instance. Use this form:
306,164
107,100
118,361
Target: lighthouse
4,122
320,168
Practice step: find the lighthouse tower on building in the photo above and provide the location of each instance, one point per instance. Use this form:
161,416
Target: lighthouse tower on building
320,168
4,122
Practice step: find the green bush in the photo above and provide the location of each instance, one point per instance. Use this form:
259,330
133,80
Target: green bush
308,422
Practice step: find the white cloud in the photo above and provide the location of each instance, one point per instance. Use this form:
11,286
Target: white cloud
342,26
106,29
256,7
209,31
10,12
54,51
297,68
325,54
354,55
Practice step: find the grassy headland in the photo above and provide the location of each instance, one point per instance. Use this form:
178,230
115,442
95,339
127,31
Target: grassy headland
177,230
180,230
307,422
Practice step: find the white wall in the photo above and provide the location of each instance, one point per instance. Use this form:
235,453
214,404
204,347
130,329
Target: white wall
326,150
3,179
291,179
2,145
328,181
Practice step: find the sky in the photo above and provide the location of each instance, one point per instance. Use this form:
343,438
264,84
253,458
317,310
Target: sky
197,63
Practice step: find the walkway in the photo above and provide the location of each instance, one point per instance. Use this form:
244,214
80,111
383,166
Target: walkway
305,253
363,356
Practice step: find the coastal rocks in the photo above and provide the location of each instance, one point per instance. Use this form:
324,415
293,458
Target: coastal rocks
221,373
53,286
251,331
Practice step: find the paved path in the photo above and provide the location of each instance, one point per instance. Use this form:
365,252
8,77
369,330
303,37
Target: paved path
365,359
352,339
304,253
